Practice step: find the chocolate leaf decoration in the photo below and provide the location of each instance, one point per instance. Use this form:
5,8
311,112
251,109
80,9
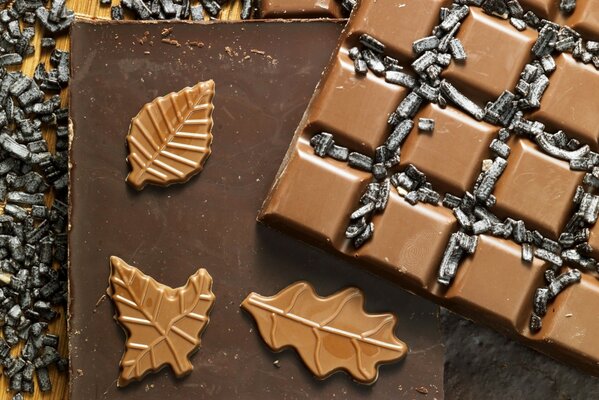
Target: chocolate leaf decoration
162,324
329,333
169,140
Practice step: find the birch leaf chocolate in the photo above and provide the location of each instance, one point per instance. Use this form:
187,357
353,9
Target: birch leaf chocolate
329,333
162,324
169,140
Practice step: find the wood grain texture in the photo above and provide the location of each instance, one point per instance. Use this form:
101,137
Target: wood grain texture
85,9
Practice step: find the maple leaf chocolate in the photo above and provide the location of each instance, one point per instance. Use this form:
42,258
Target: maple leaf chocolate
169,140
451,146
329,333
163,325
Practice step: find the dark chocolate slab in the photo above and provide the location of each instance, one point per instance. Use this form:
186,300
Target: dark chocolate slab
210,221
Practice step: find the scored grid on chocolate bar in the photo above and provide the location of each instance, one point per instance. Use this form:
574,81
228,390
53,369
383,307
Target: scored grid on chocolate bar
409,259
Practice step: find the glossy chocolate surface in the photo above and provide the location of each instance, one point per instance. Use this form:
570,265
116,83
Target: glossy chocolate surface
533,177
329,333
571,101
169,139
210,221
494,285
300,9
343,94
448,171
496,53
163,324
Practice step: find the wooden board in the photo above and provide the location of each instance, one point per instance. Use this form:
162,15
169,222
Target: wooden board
83,9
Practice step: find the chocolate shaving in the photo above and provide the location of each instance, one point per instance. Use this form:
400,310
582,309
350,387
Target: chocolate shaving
544,141
463,102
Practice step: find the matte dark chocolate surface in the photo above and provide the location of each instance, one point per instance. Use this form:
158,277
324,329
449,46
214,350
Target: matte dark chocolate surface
515,156
265,73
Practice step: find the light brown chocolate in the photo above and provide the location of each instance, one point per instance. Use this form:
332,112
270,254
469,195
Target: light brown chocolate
329,333
317,216
169,140
344,93
398,25
481,284
300,9
163,325
567,321
533,177
571,101
413,257
448,171
496,53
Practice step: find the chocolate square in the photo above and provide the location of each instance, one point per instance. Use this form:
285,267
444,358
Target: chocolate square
496,53
299,211
398,27
571,101
573,318
415,255
542,8
367,97
501,290
451,156
585,18
537,188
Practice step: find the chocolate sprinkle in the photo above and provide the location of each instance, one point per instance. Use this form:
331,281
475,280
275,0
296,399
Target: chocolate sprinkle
453,94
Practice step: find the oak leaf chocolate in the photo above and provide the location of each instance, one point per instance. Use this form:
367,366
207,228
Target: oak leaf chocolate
169,140
162,324
329,333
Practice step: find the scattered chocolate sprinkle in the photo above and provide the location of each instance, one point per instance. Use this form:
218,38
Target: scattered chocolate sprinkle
371,43
426,124
400,78
424,44
449,91
360,161
567,6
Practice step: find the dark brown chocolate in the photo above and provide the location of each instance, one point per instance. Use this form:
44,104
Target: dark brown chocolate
426,101
265,74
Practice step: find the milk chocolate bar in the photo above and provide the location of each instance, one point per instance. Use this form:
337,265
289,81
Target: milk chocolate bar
451,147
264,74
